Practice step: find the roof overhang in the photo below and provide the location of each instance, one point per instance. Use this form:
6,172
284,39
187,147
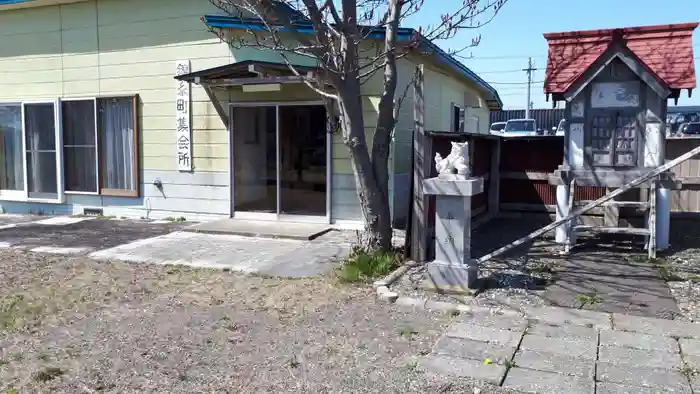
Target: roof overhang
249,72
442,58
617,51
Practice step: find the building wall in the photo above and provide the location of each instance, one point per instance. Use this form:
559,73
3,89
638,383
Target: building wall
105,47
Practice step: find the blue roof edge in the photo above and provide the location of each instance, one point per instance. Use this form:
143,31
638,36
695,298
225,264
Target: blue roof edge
231,22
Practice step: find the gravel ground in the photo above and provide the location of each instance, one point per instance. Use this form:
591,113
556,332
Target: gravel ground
516,281
72,325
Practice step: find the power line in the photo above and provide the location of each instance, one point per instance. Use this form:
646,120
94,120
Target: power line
506,57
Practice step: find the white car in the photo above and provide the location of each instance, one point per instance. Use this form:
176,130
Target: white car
497,128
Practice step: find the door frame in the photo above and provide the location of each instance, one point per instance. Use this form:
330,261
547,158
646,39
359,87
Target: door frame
325,219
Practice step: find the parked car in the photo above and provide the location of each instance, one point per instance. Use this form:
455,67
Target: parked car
497,128
559,130
689,129
521,127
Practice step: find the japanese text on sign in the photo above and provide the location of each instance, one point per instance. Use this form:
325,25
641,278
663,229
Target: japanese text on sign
182,118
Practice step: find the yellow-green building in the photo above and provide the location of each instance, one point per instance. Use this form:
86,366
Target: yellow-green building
93,118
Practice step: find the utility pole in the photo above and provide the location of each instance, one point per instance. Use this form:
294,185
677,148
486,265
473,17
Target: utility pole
530,68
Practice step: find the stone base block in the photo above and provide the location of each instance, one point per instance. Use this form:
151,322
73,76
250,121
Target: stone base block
452,278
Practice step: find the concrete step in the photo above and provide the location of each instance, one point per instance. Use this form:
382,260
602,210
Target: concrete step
612,230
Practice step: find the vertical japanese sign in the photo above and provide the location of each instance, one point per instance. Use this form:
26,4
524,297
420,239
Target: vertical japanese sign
182,118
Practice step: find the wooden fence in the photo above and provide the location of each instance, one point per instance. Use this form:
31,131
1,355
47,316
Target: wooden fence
526,164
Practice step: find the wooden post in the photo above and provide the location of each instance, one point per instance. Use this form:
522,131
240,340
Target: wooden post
494,193
421,170
652,220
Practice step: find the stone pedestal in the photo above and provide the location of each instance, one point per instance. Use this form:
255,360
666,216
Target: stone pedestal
453,269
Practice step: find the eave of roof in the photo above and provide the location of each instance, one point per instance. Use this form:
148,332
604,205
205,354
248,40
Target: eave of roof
403,33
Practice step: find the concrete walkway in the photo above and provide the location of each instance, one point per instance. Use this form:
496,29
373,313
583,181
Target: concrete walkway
258,255
559,350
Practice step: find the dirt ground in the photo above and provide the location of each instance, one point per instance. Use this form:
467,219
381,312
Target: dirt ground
72,325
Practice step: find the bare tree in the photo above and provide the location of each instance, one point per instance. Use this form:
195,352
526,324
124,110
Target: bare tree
341,39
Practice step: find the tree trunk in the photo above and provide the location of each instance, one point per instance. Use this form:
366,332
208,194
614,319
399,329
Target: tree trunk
373,202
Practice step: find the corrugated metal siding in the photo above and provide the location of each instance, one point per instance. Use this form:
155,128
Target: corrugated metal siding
546,118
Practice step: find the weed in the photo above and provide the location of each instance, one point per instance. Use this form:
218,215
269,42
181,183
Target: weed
44,357
584,300
545,268
48,374
105,217
453,312
176,220
293,362
688,371
666,273
412,365
407,332
17,357
694,277
3,362
11,391
362,265
510,364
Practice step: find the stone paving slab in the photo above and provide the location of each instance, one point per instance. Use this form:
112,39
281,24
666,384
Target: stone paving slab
638,341
576,317
647,358
445,365
529,381
474,350
485,334
566,331
646,325
614,388
690,346
495,320
632,375
572,348
556,363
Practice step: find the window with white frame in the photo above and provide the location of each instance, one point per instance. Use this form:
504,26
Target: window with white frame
85,146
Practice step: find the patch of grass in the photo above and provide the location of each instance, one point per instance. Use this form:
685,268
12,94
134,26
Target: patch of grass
48,374
3,362
16,313
407,332
453,312
105,217
665,271
11,391
694,277
510,364
583,300
293,362
17,357
362,265
44,357
176,220
688,371
412,365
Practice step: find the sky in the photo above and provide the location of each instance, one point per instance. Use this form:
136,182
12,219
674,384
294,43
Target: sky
516,34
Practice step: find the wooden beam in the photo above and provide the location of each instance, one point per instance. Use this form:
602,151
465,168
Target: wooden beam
252,81
634,183
217,105
421,170
527,175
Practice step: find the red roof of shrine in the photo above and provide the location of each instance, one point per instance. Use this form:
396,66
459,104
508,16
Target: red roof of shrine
665,50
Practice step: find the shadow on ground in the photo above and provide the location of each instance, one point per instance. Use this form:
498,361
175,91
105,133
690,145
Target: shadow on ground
88,234
609,273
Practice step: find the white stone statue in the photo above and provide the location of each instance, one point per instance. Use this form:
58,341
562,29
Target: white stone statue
456,162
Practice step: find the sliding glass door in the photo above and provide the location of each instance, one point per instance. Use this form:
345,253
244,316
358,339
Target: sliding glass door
280,161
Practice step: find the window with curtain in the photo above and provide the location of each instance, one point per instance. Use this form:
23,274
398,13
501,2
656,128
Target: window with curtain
79,146
40,140
118,142
11,167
